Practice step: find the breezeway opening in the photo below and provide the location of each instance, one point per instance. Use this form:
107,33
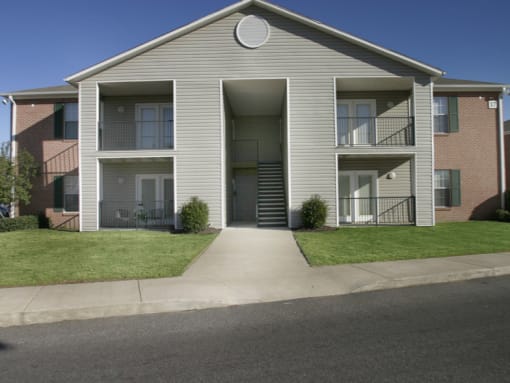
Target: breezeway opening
255,115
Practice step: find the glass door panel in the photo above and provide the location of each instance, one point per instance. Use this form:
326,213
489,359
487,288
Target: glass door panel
168,203
363,126
147,128
168,127
148,193
343,124
345,201
365,194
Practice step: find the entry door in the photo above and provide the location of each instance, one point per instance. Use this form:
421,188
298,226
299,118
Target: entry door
245,197
154,128
356,122
357,191
154,196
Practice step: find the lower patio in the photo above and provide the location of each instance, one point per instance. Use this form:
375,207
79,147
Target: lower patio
137,193
376,191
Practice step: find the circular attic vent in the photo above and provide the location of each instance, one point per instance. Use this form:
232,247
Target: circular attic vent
252,31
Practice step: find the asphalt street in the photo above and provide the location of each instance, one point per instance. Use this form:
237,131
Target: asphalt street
457,332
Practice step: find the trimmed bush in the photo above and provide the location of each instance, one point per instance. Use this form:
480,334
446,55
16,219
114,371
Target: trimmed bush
314,212
503,215
25,222
194,216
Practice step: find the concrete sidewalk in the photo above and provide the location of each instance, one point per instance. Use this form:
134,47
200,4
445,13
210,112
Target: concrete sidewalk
242,266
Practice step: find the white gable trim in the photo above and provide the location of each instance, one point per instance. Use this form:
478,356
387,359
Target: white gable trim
234,8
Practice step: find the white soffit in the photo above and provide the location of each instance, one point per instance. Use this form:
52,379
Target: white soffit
374,84
136,88
255,97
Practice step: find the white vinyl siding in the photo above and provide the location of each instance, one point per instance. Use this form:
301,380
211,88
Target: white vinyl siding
310,59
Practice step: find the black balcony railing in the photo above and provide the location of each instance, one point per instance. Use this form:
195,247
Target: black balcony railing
375,131
377,211
136,135
136,214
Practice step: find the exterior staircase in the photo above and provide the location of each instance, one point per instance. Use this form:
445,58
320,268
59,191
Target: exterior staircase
271,206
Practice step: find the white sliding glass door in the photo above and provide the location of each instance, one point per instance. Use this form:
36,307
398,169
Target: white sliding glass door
154,193
357,192
154,126
356,122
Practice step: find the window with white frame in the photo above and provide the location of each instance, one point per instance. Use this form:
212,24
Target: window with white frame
442,186
66,121
441,114
71,193
447,185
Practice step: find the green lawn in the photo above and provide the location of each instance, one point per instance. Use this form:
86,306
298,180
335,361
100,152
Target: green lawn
371,244
40,257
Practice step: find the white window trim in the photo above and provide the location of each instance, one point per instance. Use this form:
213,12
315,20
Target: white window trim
64,194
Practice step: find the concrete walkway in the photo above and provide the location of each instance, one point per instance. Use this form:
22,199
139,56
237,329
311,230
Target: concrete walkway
243,265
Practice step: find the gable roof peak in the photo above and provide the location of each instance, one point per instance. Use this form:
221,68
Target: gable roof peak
77,77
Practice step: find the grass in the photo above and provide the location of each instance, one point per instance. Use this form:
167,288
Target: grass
41,257
371,244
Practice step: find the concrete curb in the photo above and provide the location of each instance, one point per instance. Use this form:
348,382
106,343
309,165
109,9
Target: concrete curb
181,305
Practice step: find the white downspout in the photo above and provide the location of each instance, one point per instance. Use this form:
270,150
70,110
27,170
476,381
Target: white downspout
501,133
14,153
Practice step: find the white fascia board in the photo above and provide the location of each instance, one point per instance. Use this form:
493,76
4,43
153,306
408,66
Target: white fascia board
236,7
29,96
471,88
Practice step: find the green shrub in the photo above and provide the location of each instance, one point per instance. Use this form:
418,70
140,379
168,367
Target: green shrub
194,216
503,215
25,222
314,212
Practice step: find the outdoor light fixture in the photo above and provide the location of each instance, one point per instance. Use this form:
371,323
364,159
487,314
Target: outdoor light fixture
392,175
5,101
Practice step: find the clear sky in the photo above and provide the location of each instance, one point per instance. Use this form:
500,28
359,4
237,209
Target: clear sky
42,42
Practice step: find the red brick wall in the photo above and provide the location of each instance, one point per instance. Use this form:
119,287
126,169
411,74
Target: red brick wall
56,157
473,150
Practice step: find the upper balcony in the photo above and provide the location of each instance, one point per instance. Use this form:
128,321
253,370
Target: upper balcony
375,112
136,116
375,131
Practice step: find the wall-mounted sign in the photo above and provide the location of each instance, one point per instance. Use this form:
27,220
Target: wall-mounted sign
493,104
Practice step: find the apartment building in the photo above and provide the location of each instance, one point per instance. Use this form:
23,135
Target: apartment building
254,109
